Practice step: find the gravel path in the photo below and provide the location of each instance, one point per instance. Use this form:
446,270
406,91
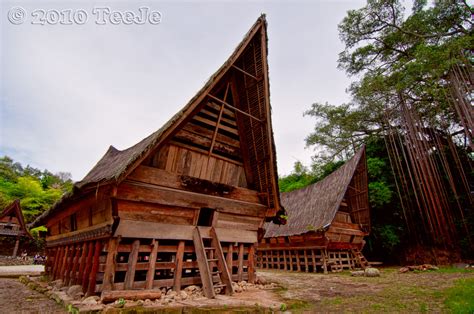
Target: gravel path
17,298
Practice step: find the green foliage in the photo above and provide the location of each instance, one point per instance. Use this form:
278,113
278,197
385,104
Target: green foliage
37,190
379,193
388,236
460,298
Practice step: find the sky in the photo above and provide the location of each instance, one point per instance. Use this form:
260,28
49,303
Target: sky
68,91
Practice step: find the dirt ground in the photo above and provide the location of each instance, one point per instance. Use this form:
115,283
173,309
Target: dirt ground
297,293
17,298
391,292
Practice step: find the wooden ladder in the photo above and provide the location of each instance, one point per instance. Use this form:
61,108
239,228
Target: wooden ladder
209,257
360,258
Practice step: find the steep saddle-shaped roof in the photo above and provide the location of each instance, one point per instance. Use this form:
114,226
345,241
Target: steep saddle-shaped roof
246,70
314,207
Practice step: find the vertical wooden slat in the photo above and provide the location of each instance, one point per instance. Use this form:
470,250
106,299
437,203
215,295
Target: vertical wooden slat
285,265
291,260
278,259
132,264
251,264
241,261
178,271
82,264
313,258
229,260
94,269
150,276
110,264
298,265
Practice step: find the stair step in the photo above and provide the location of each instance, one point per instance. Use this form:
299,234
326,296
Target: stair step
219,285
212,260
215,272
209,248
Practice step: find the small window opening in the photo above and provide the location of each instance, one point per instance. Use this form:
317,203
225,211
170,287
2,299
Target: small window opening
73,222
205,217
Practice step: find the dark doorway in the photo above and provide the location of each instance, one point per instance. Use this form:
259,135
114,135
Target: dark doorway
205,217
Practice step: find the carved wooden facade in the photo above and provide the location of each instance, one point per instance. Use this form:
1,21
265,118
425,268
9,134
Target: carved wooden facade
184,205
327,222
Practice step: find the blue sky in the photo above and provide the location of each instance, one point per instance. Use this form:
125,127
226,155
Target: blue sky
67,92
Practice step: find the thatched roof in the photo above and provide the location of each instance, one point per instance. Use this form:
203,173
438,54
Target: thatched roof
14,210
314,207
116,164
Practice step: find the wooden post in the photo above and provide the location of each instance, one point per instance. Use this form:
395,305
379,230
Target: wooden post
241,262
272,262
150,275
284,261
82,264
75,266
298,266
69,263
178,271
278,260
87,268
57,262
63,263
251,264
305,261
229,260
95,268
313,259
110,264
15,249
132,264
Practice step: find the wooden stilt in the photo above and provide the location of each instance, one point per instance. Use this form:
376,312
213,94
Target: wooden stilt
57,262
251,264
62,271
313,259
241,262
229,261
75,265
278,260
132,264
305,261
88,267
150,276
291,260
178,272
110,264
95,268
17,245
69,263
285,265
82,264
298,264
324,257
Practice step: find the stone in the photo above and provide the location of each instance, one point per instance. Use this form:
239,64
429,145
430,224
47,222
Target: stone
404,270
183,295
92,300
260,280
358,273
75,292
191,288
148,302
57,283
372,272
171,293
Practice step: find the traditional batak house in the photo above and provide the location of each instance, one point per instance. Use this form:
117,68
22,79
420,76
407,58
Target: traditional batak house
184,205
327,222
12,224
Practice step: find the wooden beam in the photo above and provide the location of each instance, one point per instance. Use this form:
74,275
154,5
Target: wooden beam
230,252
62,271
179,267
75,266
132,264
150,276
110,264
245,72
95,267
236,109
218,121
